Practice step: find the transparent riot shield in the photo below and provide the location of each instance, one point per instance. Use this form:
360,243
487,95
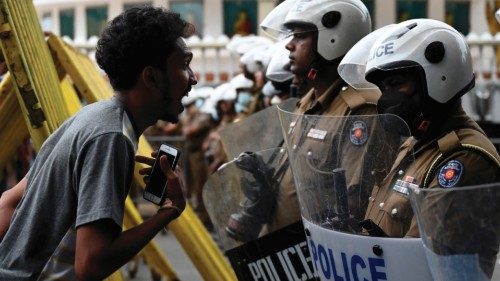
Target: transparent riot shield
259,131
460,229
336,162
241,198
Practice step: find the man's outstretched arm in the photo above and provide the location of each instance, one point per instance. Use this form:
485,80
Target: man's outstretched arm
101,249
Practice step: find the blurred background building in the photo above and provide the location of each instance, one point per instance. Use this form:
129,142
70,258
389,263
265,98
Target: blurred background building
80,21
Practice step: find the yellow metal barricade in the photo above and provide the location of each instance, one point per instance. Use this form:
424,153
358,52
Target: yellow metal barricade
26,55
12,125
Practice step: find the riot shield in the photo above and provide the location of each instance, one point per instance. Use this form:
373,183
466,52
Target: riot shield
460,229
336,162
240,199
256,132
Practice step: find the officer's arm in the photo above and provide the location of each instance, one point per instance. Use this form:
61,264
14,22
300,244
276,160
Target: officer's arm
466,168
457,217
8,203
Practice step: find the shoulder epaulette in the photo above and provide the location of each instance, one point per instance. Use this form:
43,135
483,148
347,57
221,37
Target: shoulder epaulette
450,143
356,101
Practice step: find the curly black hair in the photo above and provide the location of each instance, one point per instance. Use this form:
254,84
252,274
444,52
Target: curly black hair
139,37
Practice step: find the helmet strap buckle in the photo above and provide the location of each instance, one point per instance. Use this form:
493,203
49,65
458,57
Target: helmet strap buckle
311,75
424,126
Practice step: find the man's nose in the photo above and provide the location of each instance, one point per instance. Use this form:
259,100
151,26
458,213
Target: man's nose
192,77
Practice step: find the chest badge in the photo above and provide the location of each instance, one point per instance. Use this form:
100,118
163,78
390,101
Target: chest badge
402,186
358,134
292,125
450,174
317,134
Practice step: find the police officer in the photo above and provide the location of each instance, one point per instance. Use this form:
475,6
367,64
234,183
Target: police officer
423,67
322,33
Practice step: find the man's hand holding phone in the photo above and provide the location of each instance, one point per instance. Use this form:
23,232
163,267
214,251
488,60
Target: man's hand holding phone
164,186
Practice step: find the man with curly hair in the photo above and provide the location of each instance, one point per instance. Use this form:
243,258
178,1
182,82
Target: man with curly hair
67,225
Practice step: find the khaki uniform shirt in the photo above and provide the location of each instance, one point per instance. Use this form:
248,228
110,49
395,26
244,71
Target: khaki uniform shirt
389,205
338,100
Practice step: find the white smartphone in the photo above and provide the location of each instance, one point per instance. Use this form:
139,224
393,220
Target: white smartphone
155,189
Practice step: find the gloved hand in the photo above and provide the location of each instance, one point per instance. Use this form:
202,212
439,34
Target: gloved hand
260,202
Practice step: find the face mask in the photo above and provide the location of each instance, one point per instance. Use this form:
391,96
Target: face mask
397,103
244,99
198,103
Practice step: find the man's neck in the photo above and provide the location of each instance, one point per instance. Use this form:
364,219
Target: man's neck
139,120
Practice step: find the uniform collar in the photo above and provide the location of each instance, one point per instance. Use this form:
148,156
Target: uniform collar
309,103
457,120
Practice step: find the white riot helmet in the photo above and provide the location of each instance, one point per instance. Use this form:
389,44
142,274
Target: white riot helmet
435,48
257,58
240,82
340,23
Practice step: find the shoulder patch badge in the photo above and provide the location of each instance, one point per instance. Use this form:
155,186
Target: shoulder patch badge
450,173
358,134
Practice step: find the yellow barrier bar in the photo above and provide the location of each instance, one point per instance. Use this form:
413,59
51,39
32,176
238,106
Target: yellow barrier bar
12,125
71,100
37,60
86,77
116,276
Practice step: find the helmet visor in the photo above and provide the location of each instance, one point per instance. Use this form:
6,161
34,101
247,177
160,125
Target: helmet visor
353,65
273,23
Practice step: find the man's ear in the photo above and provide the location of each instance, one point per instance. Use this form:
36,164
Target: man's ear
149,76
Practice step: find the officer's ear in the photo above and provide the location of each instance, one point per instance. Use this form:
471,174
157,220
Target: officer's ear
150,76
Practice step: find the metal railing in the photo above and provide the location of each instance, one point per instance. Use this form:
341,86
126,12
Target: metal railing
483,102
214,64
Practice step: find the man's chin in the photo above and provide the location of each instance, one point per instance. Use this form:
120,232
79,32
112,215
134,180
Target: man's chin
170,118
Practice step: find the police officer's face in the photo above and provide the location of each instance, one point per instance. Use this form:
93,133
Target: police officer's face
178,79
400,95
301,51
401,82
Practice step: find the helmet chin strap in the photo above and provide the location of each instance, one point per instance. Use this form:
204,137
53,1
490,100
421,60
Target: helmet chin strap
421,125
311,75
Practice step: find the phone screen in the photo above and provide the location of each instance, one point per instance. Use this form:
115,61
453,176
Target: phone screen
158,180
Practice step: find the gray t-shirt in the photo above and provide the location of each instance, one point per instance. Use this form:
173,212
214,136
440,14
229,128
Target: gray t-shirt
81,174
